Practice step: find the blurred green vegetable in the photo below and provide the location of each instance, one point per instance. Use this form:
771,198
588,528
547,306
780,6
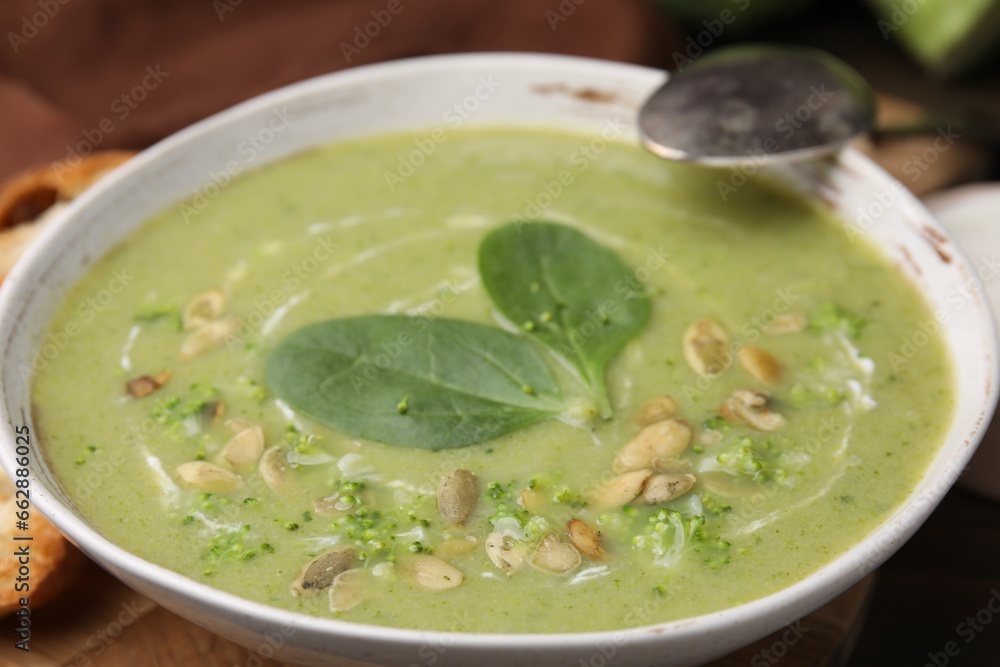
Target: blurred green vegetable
947,37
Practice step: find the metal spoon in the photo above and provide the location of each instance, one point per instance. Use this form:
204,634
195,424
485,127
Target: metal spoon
763,103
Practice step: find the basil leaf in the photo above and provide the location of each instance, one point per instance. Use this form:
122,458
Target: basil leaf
432,383
566,290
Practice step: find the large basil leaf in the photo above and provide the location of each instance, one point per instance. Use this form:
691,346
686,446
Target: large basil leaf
566,290
413,381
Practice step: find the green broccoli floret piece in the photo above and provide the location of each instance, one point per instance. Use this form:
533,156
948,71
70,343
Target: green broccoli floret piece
213,504
714,504
742,458
371,530
669,534
564,496
800,395
716,423
746,457
231,545
305,449
505,504
714,552
831,317
173,412
504,497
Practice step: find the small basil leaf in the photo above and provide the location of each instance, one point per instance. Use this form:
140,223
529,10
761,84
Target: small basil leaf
413,381
566,290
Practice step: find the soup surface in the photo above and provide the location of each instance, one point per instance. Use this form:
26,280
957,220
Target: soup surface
799,433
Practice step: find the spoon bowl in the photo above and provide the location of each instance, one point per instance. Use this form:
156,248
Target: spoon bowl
761,103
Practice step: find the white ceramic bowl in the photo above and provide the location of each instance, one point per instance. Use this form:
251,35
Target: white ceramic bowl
969,212
488,89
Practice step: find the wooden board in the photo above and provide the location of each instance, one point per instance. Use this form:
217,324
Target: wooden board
100,622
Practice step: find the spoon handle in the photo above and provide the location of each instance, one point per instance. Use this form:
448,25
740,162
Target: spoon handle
960,123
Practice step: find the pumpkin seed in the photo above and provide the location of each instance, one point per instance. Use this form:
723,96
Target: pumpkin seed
144,385
706,348
207,337
347,590
531,500
456,496
665,487
274,467
244,447
554,556
204,308
749,407
656,410
207,476
619,491
505,553
788,323
670,465
322,570
432,573
663,439
237,424
456,547
326,506
761,364
585,538
709,437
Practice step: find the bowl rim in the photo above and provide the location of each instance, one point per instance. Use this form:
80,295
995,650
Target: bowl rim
789,602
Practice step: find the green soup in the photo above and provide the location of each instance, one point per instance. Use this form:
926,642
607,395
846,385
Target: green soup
327,235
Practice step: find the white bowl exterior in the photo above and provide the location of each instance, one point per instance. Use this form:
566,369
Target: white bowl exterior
499,89
969,213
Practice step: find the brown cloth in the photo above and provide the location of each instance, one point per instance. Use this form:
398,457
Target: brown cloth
84,75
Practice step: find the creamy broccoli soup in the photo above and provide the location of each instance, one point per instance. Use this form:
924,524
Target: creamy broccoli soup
529,388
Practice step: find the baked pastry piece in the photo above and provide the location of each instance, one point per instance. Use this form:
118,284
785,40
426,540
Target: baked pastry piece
28,201
53,562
